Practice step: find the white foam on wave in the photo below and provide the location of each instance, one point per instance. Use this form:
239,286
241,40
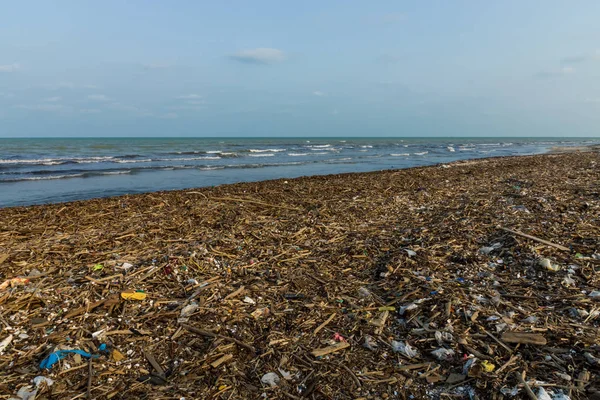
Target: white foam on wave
451,149
421,153
56,161
262,155
133,161
47,178
320,146
266,150
297,154
116,172
400,154
367,146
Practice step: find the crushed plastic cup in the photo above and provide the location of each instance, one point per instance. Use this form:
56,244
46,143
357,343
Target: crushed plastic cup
271,379
443,354
404,348
547,264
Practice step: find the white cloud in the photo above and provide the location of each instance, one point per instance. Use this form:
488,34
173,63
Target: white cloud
52,99
98,97
10,67
188,107
261,55
318,93
190,96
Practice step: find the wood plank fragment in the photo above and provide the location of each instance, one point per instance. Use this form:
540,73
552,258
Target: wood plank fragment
330,349
524,338
221,360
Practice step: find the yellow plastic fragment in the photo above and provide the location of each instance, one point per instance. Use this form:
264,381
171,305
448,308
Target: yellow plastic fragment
488,366
132,295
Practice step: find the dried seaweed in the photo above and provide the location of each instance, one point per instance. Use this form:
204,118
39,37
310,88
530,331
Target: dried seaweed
428,282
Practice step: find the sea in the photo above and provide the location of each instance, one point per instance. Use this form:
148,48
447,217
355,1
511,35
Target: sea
51,170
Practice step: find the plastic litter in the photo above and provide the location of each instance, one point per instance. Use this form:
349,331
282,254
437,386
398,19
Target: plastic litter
443,354
488,366
370,343
546,263
187,311
411,253
14,282
29,392
248,300
404,348
133,295
271,379
54,357
4,344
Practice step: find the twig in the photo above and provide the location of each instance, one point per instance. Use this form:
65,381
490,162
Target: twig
530,393
324,324
89,384
537,239
354,377
216,335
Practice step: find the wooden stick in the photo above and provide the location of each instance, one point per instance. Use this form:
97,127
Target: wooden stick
537,239
530,393
216,335
324,324
89,384
154,363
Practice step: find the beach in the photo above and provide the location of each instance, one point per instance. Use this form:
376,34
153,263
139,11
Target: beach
468,279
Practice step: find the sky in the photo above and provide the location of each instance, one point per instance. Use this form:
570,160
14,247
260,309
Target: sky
299,68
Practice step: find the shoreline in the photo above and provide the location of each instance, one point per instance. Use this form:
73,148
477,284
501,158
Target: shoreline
243,280
551,151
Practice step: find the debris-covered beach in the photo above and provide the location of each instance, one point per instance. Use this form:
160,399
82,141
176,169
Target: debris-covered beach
475,280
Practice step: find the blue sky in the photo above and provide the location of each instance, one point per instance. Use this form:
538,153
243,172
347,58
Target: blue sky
302,68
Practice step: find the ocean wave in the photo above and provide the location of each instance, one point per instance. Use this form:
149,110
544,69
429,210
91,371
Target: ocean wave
366,146
262,155
400,154
133,161
451,149
297,154
55,161
421,153
266,150
319,146
114,172
42,178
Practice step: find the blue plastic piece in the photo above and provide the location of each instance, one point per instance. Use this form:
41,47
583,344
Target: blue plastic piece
54,357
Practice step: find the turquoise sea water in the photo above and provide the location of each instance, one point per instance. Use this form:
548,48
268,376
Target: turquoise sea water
37,171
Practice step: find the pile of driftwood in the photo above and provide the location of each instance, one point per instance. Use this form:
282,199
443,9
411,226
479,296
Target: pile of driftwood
474,280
